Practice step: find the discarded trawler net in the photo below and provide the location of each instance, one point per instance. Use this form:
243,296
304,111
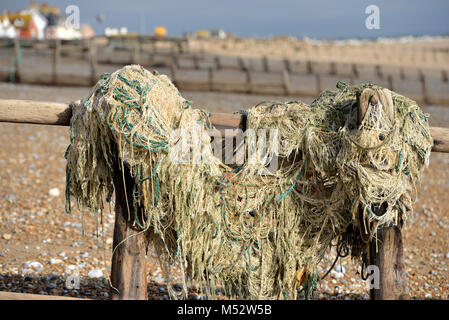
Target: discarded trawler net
257,233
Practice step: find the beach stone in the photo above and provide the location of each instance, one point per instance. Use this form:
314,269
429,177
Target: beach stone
54,192
340,269
26,271
54,261
96,273
50,286
7,236
158,278
337,275
34,266
77,243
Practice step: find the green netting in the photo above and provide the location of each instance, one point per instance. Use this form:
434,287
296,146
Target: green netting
259,234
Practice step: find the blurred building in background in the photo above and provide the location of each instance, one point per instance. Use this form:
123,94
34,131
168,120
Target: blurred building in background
109,31
208,34
7,30
40,22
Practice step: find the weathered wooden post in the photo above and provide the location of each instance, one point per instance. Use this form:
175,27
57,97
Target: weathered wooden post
286,81
174,73
136,49
402,74
386,247
287,65
354,71
56,59
379,73
15,74
444,77
422,79
309,67
210,78
93,61
332,69
386,252
249,81
196,62
128,270
318,83
265,65
217,63
242,64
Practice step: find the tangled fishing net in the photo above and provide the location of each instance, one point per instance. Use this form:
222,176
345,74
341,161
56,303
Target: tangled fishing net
259,234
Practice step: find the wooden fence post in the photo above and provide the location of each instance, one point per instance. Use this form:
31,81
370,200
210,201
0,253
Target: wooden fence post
286,82
179,46
175,61
128,270
379,72
333,69
266,67
136,52
93,61
217,62
309,67
386,252
174,73
211,78
15,76
196,63
318,83
249,80
387,255
402,74
241,63
354,70
422,79
444,76
287,65
56,60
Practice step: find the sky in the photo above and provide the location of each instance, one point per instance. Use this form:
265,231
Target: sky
320,19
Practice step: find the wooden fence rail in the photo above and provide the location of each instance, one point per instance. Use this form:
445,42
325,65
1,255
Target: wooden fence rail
54,113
